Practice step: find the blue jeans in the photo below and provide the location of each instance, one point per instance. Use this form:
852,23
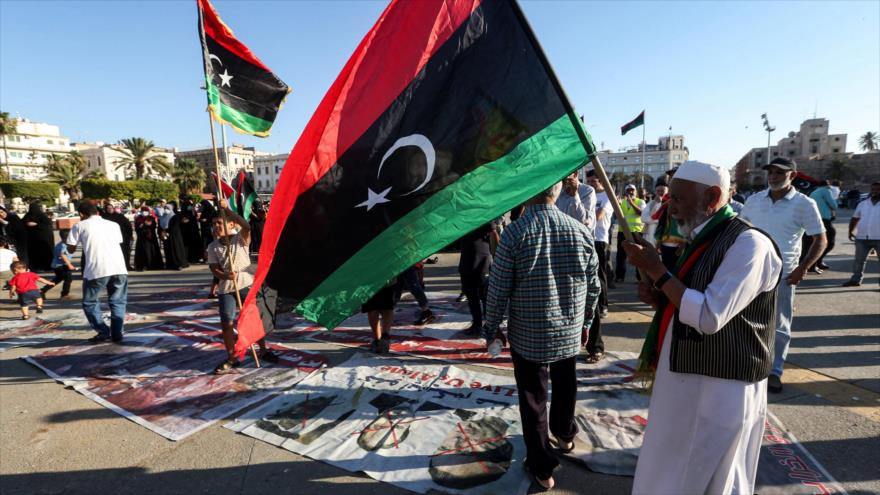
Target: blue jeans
117,296
863,247
409,280
784,315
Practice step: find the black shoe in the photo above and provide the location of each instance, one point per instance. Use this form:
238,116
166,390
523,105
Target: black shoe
98,339
474,330
816,270
603,312
384,345
823,266
39,310
774,384
269,356
461,298
427,316
852,283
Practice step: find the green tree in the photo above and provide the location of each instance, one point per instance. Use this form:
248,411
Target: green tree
189,175
8,126
869,141
139,153
67,172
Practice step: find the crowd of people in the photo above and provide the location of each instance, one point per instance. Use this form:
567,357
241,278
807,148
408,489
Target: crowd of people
721,274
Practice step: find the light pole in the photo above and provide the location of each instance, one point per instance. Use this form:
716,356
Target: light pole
769,129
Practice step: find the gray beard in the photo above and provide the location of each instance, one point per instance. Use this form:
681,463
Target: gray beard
687,226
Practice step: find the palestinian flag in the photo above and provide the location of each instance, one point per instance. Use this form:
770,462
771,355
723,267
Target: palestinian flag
640,120
225,188
446,116
244,195
242,92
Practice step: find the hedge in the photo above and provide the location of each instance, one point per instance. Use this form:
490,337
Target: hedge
46,192
147,190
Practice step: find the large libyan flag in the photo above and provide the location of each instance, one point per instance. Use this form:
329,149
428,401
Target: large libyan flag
242,91
445,117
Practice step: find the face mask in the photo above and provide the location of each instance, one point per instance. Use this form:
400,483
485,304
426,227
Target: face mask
168,209
144,213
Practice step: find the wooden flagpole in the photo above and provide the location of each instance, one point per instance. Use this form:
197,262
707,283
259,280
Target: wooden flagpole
230,253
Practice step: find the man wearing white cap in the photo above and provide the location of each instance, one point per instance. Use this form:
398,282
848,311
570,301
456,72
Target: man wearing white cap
710,345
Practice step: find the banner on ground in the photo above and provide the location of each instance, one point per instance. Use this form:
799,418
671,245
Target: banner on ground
420,427
162,377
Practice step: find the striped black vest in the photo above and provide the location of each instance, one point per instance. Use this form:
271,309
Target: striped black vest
743,348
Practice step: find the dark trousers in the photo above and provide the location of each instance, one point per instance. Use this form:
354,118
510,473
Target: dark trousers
473,285
409,280
63,274
603,251
531,385
592,336
126,253
830,235
620,259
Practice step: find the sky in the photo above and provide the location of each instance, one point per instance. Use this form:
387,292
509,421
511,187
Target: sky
107,70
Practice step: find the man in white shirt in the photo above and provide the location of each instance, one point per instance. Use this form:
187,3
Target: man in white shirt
864,229
785,214
103,268
710,343
660,192
594,345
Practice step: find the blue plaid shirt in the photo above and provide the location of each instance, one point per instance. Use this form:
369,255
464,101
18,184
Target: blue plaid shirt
546,270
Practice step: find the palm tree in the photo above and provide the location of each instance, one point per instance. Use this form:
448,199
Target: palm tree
139,154
162,167
189,175
869,141
68,173
8,126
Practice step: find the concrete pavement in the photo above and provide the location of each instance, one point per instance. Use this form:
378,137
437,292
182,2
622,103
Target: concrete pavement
53,440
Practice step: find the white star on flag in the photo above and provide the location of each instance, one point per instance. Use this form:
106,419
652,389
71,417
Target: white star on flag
373,199
225,78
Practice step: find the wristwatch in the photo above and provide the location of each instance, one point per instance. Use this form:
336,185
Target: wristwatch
658,284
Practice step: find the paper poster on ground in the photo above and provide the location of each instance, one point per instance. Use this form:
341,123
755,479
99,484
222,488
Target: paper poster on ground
418,426
161,378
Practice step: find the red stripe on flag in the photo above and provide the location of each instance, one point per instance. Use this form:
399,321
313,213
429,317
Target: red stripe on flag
395,50
220,32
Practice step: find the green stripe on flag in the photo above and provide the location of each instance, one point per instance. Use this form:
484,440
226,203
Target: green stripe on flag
473,200
239,120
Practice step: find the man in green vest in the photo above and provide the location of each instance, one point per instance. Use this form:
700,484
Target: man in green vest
632,210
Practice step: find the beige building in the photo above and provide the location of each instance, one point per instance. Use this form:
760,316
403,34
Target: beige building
811,142
106,158
668,153
30,147
236,157
267,169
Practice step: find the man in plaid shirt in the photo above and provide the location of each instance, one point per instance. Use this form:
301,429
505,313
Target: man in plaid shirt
546,272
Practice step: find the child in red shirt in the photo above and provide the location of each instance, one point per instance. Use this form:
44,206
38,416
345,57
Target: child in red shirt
24,283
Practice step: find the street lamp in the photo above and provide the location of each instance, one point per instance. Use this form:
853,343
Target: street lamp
769,129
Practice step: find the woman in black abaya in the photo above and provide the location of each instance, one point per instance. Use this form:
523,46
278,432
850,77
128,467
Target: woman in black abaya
147,255
40,239
175,249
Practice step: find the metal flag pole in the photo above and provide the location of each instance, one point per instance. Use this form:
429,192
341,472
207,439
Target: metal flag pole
644,147
597,165
230,253
225,149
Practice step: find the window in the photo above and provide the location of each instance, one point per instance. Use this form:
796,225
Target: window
49,141
790,152
814,149
277,169
235,160
837,139
14,138
678,157
775,153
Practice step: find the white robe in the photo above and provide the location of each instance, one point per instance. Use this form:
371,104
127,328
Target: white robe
704,433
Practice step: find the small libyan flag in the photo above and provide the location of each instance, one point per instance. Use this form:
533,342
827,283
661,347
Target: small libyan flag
446,116
242,92
244,195
640,120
